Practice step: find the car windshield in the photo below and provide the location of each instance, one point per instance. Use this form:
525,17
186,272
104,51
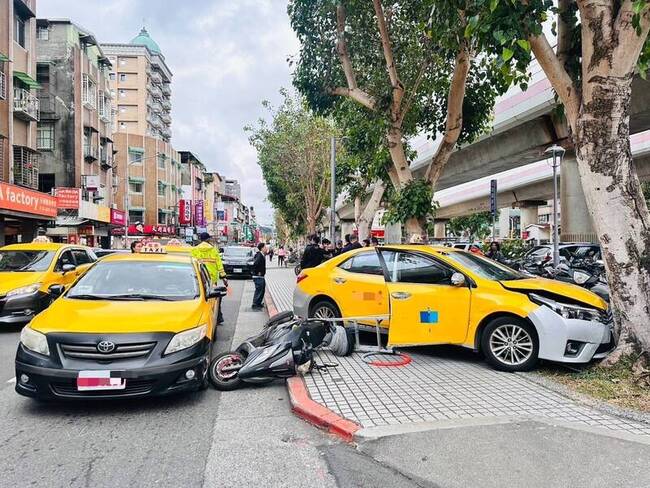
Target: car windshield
137,280
237,252
24,261
484,267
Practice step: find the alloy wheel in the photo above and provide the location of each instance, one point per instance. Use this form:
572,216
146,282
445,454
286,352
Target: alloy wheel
324,313
511,344
227,362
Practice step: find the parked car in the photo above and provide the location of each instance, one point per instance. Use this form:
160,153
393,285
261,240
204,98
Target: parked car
28,270
238,260
438,295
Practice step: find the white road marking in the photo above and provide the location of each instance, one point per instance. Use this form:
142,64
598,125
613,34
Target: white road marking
12,380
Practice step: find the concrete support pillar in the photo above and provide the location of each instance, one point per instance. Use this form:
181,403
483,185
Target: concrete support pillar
575,223
529,215
503,224
439,229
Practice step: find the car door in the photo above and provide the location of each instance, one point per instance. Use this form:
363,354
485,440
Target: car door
425,307
358,286
211,304
83,260
65,257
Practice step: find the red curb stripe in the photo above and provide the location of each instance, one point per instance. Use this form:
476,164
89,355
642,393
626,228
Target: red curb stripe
315,413
270,305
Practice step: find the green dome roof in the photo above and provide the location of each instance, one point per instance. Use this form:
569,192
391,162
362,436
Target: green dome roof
143,39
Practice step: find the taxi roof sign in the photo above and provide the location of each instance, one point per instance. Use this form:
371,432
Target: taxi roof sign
152,248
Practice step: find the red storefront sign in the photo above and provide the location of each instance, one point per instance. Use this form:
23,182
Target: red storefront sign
152,230
118,217
67,198
86,230
19,199
185,212
378,233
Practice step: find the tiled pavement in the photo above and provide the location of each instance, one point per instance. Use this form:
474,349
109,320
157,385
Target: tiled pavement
434,386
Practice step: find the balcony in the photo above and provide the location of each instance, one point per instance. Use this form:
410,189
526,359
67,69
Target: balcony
167,89
47,106
166,118
155,77
25,105
156,107
156,92
150,102
3,86
167,105
90,153
105,160
25,167
156,122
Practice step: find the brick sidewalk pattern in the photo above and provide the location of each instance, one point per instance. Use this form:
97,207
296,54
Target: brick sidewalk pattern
434,387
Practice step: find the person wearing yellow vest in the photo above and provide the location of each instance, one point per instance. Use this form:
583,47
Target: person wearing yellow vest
209,255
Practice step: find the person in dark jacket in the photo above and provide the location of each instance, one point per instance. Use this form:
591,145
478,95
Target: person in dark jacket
495,252
354,244
259,271
313,254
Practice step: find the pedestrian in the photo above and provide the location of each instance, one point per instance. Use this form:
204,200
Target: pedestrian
366,242
313,254
41,236
374,242
328,249
494,252
209,255
353,244
270,252
339,248
259,271
281,255
346,237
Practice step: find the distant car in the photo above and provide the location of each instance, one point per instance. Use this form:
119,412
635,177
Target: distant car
469,247
238,260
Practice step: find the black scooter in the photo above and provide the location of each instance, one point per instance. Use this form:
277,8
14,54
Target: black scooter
282,349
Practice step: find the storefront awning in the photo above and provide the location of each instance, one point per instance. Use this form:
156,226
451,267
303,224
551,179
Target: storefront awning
134,149
69,221
28,80
136,179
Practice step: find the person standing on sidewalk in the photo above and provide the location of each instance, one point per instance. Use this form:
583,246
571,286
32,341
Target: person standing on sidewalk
281,255
313,254
209,255
259,271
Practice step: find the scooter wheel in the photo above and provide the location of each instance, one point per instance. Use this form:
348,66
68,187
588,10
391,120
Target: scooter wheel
225,380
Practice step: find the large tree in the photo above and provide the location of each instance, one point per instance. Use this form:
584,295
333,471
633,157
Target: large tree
293,151
600,43
411,66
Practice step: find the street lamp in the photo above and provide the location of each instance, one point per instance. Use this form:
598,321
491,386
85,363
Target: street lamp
558,154
333,190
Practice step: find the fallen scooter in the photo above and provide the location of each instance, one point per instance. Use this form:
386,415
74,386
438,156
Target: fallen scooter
282,349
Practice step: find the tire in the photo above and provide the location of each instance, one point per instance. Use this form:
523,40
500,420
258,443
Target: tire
297,269
225,381
510,344
324,309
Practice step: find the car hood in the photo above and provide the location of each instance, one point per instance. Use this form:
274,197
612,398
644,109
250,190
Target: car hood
10,280
103,316
574,292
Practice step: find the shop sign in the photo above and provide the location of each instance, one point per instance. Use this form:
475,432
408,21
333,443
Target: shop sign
85,230
185,212
221,215
19,199
67,198
118,217
104,214
152,230
73,239
92,182
199,216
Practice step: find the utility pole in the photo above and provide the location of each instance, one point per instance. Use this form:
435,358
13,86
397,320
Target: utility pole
333,190
558,153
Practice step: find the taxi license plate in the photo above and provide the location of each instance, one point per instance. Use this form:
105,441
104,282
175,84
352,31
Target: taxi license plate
99,380
237,270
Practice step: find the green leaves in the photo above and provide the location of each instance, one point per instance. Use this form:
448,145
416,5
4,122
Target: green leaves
414,200
493,5
507,54
524,44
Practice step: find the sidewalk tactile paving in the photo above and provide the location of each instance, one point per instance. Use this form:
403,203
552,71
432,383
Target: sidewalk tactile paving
433,388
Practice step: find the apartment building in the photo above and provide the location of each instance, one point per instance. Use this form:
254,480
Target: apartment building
194,192
141,87
148,184
23,209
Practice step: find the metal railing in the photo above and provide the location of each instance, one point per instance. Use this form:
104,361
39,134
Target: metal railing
26,105
3,86
156,107
156,92
167,88
155,77
90,152
166,104
25,167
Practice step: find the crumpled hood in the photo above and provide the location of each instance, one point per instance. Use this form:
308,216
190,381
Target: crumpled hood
560,288
103,316
10,280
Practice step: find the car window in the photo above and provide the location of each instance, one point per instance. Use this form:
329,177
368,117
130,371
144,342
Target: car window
205,279
568,252
414,268
65,258
81,257
539,252
484,267
24,261
590,252
364,263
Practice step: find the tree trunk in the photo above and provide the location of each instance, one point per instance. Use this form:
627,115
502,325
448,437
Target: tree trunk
398,156
364,222
414,230
614,198
357,209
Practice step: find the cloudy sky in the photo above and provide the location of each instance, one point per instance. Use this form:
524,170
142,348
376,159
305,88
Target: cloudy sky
226,56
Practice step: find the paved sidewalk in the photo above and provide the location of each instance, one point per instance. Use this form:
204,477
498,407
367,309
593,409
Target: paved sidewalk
440,384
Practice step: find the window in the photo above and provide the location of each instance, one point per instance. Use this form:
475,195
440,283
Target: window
136,216
162,218
81,257
66,258
19,31
135,186
206,279
43,75
135,157
122,126
89,91
46,182
122,109
42,33
365,263
413,268
122,62
111,76
161,189
122,76
122,93
45,136
161,161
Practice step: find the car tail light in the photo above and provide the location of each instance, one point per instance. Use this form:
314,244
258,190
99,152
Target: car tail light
300,277
548,257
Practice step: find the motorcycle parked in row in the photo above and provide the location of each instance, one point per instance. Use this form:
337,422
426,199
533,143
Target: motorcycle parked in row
587,273
282,349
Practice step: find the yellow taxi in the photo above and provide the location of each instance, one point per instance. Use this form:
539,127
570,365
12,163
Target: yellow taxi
133,325
440,295
28,270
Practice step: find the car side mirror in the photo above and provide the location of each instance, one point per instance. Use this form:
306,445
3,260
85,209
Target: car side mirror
458,279
218,292
56,290
66,268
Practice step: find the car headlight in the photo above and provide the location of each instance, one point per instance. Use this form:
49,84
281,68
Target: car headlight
186,339
580,278
25,290
250,263
34,341
569,311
